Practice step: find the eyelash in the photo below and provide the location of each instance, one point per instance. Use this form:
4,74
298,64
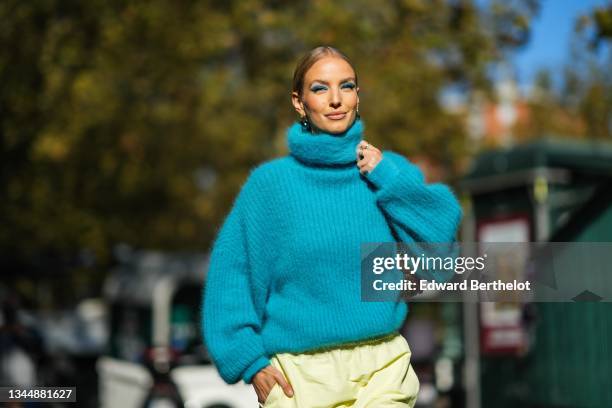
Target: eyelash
318,88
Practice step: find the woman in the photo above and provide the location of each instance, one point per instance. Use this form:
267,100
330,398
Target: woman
282,308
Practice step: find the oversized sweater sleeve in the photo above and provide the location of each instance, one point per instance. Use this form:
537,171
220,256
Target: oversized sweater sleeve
416,211
230,323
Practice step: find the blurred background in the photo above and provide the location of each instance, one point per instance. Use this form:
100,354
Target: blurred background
128,127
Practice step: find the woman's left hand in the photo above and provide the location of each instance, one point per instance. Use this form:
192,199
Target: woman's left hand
368,157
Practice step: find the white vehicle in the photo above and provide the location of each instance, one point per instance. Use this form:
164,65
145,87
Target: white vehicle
156,357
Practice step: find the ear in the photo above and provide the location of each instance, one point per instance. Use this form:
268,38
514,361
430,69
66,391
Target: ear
297,103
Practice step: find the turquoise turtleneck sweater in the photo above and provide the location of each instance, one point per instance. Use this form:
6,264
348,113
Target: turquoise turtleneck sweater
284,272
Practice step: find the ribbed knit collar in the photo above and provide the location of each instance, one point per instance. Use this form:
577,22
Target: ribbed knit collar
324,148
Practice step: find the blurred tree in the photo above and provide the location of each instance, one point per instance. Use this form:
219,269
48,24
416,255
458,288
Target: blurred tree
595,103
547,114
138,121
581,104
542,104
601,20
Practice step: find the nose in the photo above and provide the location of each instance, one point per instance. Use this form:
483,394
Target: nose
335,98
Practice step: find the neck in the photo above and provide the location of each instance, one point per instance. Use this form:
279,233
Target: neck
322,148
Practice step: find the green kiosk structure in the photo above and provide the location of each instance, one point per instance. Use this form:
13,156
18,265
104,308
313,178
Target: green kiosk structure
539,354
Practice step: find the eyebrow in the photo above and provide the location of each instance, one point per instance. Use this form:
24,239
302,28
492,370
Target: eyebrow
327,83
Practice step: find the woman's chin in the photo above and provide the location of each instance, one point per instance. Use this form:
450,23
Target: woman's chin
336,126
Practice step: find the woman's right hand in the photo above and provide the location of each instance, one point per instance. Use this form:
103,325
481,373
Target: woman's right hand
266,378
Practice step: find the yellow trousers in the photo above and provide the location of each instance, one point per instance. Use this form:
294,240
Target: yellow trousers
371,374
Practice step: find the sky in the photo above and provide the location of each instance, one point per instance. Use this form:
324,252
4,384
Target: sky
549,45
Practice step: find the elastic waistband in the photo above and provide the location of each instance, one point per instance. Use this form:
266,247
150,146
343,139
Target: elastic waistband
352,344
